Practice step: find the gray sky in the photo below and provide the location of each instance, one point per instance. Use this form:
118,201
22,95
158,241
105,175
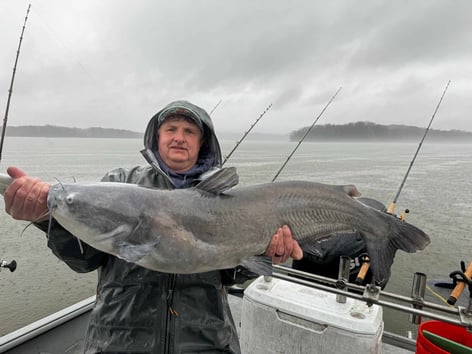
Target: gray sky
114,63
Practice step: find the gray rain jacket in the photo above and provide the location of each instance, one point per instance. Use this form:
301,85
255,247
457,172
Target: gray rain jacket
143,311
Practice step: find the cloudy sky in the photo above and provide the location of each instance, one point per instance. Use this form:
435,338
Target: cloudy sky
114,63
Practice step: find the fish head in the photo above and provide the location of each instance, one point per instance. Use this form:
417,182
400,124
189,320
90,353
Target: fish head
107,216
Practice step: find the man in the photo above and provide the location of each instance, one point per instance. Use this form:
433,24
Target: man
139,310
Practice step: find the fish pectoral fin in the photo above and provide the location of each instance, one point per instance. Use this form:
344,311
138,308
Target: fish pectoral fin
258,264
219,181
133,252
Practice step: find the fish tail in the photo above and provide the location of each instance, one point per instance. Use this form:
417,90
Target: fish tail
408,237
403,236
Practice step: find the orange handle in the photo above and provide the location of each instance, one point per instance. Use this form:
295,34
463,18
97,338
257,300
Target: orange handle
363,271
456,293
391,208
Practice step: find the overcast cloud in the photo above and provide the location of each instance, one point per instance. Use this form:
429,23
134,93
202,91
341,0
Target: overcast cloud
114,63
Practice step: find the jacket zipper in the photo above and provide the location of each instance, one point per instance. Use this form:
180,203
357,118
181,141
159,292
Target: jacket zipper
170,313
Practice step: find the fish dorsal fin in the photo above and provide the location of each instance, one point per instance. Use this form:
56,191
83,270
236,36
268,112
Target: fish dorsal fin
219,181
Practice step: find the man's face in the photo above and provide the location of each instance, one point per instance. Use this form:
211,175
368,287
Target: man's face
179,142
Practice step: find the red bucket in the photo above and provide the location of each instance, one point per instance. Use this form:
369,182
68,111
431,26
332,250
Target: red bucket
435,337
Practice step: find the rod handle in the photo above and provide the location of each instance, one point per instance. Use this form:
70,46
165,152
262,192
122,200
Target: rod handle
363,271
456,293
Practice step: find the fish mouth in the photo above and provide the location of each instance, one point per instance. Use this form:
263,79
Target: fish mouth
51,203
55,195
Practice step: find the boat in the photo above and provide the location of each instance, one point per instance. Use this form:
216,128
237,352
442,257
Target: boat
306,308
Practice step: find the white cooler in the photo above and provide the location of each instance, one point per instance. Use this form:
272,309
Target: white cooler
284,317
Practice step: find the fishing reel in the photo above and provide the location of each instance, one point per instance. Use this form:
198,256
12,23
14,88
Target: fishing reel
10,265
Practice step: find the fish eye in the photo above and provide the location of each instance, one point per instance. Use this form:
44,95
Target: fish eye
69,199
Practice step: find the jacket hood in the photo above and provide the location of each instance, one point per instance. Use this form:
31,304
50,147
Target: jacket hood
210,152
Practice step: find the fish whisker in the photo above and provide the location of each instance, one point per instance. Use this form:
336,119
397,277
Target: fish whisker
59,182
38,219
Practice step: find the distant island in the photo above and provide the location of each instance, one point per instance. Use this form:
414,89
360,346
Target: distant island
359,131
53,131
368,131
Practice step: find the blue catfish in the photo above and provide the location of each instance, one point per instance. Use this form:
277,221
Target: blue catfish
211,226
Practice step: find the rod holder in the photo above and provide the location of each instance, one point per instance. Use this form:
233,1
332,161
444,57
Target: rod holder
417,294
343,277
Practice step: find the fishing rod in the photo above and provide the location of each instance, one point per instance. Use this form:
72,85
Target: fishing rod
215,107
306,133
391,207
366,264
10,90
246,133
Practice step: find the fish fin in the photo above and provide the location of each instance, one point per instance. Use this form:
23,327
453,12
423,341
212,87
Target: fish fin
258,264
381,259
219,181
403,236
133,252
408,237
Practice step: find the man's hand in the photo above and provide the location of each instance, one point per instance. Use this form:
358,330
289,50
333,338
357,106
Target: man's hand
283,246
26,197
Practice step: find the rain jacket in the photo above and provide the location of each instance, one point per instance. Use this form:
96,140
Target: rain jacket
143,311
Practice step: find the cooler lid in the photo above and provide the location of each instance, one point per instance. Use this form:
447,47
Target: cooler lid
315,305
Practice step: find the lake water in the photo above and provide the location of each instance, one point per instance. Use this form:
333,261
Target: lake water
437,193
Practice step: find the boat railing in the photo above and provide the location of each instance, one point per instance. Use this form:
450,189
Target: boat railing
372,295
43,325
417,307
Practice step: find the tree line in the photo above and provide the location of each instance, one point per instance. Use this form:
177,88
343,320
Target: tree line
368,131
52,131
